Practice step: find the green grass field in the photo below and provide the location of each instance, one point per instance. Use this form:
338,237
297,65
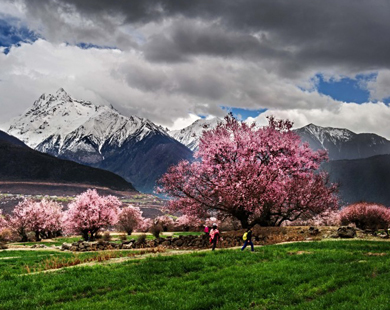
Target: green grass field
313,275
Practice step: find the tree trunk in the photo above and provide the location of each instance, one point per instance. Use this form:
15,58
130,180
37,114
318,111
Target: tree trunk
84,234
243,218
37,237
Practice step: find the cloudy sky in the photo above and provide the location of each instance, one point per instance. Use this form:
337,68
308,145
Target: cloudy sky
322,62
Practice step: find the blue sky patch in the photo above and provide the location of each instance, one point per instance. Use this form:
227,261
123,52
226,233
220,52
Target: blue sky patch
243,114
14,35
86,46
346,89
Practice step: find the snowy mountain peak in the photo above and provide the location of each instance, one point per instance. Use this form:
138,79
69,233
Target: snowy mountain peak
328,133
61,94
189,136
62,123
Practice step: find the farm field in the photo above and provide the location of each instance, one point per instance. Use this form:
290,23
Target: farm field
303,275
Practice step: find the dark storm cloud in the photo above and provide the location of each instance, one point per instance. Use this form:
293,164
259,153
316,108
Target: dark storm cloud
349,34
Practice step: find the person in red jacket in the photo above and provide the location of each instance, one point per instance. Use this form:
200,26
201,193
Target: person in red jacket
214,236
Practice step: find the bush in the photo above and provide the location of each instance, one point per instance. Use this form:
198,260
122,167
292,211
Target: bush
156,229
141,239
366,216
7,235
106,236
123,237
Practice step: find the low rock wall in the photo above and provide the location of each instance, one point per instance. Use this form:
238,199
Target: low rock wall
261,236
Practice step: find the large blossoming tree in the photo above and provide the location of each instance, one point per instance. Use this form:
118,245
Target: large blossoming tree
257,175
91,212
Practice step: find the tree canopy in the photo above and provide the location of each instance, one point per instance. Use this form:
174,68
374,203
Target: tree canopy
258,175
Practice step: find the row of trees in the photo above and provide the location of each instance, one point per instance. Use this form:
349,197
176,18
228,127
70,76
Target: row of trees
88,214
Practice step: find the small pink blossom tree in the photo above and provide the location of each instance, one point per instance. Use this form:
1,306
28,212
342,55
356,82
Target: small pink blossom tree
130,219
53,214
366,216
91,212
145,224
19,220
262,176
186,222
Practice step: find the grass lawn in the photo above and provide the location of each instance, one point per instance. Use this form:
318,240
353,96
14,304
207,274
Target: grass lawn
313,275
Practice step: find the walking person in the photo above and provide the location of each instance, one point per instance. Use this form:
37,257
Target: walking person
214,236
247,237
206,230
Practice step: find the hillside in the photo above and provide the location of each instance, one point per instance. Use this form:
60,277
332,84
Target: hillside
20,163
99,136
366,179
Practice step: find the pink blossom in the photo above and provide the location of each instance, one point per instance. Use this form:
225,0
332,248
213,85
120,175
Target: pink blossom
130,219
90,212
260,176
366,215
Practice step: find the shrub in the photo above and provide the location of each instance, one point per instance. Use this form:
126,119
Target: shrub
141,239
165,221
106,236
156,229
366,216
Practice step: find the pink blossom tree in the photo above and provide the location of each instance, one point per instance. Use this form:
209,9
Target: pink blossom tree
366,216
130,219
186,222
19,220
43,218
145,224
53,214
260,176
91,212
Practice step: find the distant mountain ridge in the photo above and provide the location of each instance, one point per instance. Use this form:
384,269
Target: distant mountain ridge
340,143
20,163
132,147
343,143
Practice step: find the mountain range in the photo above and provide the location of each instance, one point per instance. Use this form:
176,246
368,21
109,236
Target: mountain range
140,151
340,143
99,136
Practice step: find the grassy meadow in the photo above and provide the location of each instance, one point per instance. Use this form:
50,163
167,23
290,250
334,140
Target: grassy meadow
307,275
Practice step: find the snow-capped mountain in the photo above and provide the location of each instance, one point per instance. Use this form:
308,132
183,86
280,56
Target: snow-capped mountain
189,136
340,143
98,136
76,129
343,143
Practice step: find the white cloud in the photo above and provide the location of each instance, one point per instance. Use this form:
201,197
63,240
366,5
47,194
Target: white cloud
183,122
380,87
171,95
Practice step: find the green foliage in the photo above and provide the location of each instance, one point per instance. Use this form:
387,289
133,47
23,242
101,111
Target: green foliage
317,275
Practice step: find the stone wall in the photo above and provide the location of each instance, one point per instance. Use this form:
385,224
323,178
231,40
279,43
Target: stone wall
261,236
